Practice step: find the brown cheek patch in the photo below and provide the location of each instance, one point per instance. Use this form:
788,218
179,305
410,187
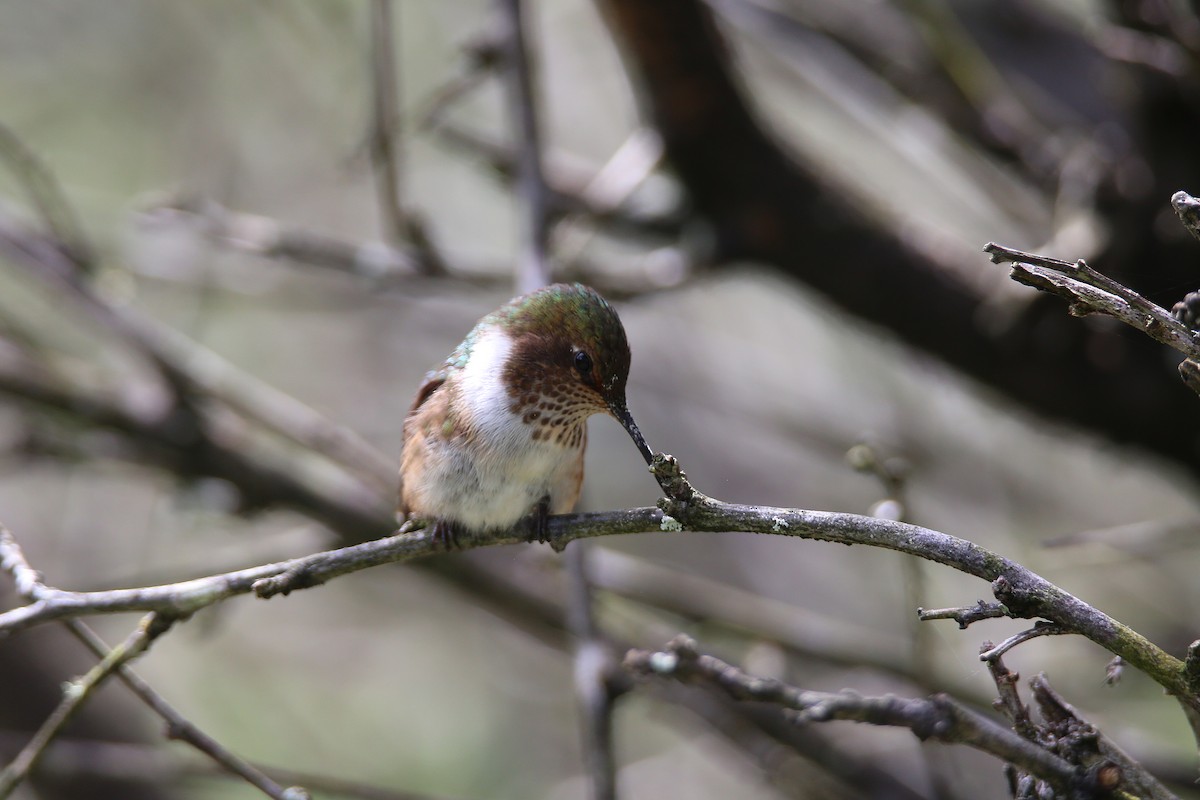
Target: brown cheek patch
547,395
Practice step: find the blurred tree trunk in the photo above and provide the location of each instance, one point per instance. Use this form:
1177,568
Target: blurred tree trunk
765,205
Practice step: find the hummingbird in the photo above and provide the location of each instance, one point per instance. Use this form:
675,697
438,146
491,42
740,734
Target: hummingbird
496,435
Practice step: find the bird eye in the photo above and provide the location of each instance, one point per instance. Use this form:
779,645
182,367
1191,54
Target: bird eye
583,363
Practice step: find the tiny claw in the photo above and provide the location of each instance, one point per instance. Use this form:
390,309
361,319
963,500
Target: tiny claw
444,533
538,522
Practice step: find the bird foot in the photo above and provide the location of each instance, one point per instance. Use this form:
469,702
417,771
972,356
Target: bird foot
444,533
538,523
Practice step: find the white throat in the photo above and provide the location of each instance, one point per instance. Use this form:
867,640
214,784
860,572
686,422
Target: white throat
482,382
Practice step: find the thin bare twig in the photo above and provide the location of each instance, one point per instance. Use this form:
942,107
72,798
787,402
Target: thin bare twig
966,615
627,169
797,762
1041,628
481,55
269,238
378,262
1090,292
594,676
534,269
29,585
401,225
1188,209
892,474
261,474
181,728
594,664
938,717
892,471
188,370
47,197
79,692
1164,54
276,411
1062,730
385,155
1110,766
566,186
1009,701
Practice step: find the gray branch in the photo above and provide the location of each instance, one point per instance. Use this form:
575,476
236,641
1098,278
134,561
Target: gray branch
79,692
1188,209
938,717
1089,292
1022,592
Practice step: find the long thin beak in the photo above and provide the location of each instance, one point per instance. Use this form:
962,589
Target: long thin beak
626,419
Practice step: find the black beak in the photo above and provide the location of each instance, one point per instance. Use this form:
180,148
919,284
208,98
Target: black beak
626,419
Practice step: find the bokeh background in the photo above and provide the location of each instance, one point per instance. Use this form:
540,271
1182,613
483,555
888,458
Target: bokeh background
926,130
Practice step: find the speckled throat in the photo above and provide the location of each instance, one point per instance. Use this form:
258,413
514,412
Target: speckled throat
551,401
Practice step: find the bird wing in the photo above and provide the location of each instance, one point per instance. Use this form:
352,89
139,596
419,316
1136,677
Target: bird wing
433,380
413,437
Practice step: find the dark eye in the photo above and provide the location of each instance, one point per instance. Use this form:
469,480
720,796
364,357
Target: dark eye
583,363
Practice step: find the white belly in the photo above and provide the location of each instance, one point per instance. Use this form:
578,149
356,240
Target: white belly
498,475
497,488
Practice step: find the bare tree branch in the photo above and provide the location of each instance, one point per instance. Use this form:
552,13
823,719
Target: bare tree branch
595,676
1009,700
385,155
566,186
1188,209
534,270
78,692
1061,730
1090,292
938,717
178,726
401,225
47,197
1104,759
593,662
1023,593
269,238
1042,628
263,477
965,616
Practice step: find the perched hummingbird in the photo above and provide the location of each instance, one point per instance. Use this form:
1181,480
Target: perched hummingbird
496,435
